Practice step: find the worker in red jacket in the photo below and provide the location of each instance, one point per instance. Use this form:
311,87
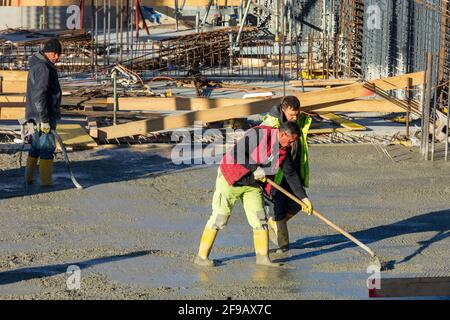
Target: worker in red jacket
242,175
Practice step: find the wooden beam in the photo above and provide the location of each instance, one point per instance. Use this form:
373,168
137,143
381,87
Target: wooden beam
357,90
412,287
323,83
12,98
11,75
11,86
73,135
369,105
187,119
176,104
84,101
12,113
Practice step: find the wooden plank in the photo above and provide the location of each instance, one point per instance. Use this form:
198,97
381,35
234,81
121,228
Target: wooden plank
187,119
370,105
412,287
12,98
328,130
13,81
13,86
353,126
357,90
73,135
12,75
81,101
322,83
12,113
175,103
12,110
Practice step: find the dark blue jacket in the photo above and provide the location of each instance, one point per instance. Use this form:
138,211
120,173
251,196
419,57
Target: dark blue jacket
43,91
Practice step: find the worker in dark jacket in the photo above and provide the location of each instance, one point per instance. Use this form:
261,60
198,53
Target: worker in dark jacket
43,103
281,208
242,176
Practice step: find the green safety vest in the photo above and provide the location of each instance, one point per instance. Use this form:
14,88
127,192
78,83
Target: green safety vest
304,123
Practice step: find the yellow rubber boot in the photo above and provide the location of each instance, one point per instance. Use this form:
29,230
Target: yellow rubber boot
31,168
46,172
261,242
208,237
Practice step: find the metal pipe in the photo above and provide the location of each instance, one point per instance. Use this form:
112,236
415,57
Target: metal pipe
93,38
409,99
207,12
447,142
433,140
197,21
116,100
241,27
176,15
131,32
127,24
96,37
241,4
136,21
109,31
104,31
117,31
426,131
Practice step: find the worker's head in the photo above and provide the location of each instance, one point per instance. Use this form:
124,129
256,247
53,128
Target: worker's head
290,106
52,50
288,134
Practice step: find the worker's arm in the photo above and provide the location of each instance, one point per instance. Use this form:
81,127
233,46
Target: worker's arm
293,179
40,80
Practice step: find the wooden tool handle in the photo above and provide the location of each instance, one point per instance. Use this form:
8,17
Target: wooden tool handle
321,217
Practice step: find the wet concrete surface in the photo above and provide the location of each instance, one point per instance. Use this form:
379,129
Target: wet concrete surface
134,230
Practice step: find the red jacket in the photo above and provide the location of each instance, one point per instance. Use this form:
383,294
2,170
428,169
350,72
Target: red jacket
253,150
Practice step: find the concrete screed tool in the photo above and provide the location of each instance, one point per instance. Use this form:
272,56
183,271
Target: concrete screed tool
375,259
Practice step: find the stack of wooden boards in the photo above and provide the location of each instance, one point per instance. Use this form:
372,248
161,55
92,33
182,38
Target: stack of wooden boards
354,97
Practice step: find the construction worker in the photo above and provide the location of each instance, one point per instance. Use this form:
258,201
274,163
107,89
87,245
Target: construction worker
281,208
43,102
242,175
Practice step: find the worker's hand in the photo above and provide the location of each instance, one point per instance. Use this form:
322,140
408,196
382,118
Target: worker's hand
45,127
308,207
259,174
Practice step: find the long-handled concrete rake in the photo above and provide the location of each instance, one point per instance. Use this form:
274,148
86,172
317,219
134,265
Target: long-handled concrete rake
375,259
66,159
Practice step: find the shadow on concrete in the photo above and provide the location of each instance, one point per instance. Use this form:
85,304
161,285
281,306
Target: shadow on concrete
438,221
13,276
114,166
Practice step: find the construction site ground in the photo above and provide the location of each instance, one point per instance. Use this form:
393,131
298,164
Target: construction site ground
135,227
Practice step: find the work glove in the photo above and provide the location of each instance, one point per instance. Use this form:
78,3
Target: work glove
307,207
259,174
45,128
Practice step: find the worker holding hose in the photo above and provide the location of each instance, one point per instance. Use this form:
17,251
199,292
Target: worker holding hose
242,175
43,101
280,208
